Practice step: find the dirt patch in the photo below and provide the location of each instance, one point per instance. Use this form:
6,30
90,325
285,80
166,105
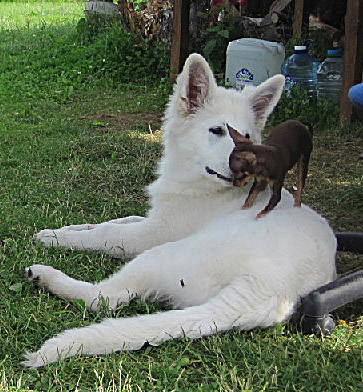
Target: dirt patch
105,122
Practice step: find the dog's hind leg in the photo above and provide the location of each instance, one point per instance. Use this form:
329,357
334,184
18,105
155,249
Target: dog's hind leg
302,172
300,181
238,305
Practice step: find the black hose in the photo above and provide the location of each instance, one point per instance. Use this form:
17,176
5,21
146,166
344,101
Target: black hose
350,242
317,305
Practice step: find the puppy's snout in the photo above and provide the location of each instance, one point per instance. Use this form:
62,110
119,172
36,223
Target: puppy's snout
242,179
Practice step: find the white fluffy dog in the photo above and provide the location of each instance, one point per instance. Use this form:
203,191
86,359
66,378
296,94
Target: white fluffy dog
219,266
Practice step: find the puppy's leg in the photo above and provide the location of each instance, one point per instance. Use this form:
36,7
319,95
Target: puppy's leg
302,172
257,187
125,236
275,198
144,276
63,286
237,305
300,181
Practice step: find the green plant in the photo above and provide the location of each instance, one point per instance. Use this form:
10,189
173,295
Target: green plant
320,114
216,38
123,57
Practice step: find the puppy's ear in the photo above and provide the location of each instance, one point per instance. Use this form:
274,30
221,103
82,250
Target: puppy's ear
264,99
195,85
237,137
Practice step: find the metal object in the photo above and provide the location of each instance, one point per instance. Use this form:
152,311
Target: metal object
317,305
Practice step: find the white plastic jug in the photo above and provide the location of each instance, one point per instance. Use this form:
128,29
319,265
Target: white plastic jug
250,61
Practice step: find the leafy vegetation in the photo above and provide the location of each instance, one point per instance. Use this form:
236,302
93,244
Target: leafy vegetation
58,58
321,114
79,144
214,39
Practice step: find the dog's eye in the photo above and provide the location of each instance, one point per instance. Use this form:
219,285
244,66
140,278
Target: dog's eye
217,131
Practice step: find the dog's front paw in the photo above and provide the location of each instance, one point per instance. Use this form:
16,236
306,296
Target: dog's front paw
49,237
42,276
65,236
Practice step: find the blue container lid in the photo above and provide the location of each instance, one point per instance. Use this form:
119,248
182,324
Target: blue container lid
334,52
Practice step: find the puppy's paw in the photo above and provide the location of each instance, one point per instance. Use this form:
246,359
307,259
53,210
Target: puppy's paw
49,237
261,214
41,276
73,236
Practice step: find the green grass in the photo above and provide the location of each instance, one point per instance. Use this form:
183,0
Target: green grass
78,148
22,14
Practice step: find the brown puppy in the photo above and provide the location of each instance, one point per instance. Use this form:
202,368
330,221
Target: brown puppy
289,142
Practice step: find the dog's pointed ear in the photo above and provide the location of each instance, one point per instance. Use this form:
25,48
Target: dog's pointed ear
236,136
264,99
195,85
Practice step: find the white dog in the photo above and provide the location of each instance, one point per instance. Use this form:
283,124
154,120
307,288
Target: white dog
219,266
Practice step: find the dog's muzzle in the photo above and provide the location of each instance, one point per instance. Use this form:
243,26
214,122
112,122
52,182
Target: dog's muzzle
222,177
242,180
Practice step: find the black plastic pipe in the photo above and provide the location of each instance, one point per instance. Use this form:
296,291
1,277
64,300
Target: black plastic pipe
317,305
350,242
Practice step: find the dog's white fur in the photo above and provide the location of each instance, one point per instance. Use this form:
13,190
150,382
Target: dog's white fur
219,266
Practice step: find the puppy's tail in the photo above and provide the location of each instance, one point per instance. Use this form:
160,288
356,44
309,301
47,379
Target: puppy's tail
226,310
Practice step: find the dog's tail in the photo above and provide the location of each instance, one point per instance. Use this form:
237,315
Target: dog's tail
227,310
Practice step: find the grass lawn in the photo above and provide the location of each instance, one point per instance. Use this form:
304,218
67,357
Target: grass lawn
78,143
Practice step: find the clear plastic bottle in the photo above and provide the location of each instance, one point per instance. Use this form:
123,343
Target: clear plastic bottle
330,75
301,68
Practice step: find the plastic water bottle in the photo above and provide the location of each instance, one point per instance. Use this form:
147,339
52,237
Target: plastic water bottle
301,68
330,75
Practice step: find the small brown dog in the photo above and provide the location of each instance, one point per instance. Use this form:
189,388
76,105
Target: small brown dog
288,143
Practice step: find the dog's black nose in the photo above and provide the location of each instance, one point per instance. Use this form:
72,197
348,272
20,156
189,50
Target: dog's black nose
209,170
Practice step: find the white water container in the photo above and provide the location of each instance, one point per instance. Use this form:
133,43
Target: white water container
250,61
